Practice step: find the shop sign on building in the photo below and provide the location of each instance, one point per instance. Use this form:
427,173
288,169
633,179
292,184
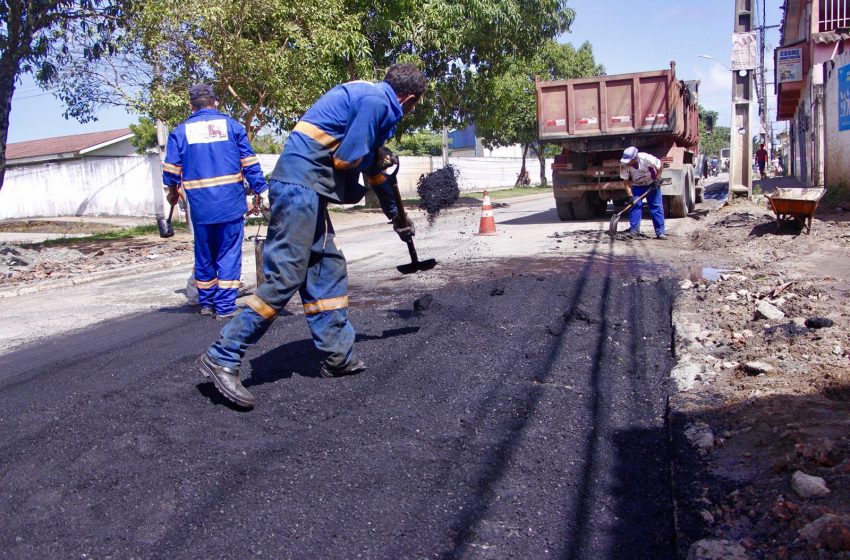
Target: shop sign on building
844,97
789,65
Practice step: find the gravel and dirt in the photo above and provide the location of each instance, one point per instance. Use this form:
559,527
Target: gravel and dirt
762,341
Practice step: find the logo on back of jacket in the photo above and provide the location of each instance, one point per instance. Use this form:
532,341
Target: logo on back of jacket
204,132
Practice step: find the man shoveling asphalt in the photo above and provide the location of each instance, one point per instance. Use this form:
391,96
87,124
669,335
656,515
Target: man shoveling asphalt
640,170
339,137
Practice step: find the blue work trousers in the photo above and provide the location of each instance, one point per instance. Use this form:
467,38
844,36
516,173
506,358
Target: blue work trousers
656,209
218,264
299,254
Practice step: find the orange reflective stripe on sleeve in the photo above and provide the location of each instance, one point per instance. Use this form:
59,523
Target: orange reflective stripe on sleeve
262,308
206,284
213,181
250,160
342,164
376,180
312,131
171,168
314,307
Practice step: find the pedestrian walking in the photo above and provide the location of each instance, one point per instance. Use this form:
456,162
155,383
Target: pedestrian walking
640,170
761,160
208,156
338,138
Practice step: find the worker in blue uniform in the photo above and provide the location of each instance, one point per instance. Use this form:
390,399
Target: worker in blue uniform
209,156
338,138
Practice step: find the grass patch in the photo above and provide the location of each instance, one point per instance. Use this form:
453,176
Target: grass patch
126,233
509,193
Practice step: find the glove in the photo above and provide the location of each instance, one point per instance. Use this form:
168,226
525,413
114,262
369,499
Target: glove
632,199
383,158
403,226
172,196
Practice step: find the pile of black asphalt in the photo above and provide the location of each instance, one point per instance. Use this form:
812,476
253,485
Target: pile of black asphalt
438,190
514,417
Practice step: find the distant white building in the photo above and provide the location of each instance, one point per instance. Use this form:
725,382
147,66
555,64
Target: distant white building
465,143
110,143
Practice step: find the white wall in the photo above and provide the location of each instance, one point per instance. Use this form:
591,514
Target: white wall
132,186
127,186
476,173
837,142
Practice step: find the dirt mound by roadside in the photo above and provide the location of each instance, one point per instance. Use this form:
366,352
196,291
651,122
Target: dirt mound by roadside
25,265
765,376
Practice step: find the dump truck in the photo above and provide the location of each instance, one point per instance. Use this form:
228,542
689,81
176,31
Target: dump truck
594,119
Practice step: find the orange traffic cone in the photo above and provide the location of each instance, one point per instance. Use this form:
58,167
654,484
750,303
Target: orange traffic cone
488,222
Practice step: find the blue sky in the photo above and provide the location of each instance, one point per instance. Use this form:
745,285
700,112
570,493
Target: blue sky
627,36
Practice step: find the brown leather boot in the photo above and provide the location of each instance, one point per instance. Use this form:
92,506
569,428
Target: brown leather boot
226,380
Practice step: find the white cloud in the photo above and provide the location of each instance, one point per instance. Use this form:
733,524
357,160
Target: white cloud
715,89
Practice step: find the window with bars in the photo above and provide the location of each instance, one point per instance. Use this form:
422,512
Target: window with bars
833,15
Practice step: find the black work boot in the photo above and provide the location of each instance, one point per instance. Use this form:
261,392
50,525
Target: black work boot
226,380
353,367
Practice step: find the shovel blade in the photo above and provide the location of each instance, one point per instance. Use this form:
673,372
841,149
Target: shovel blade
165,227
418,266
612,228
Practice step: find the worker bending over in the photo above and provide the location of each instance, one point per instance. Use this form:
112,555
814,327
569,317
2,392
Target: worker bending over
640,170
337,139
209,156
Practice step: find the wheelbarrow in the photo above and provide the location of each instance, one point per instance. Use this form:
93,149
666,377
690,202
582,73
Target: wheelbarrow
797,204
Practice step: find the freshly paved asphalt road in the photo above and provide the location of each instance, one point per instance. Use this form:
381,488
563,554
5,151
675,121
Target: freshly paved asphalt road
516,417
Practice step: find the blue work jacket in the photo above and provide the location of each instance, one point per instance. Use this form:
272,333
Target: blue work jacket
336,140
208,155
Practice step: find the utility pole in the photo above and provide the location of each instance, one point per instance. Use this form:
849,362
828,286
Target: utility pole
762,89
740,157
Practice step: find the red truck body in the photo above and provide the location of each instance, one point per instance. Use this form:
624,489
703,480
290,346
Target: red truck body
595,119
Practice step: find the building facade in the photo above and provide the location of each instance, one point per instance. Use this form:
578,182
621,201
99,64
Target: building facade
814,33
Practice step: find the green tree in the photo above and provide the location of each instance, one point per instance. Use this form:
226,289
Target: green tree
419,143
267,144
711,143
268,60
30,32
507,97
144,135
454,41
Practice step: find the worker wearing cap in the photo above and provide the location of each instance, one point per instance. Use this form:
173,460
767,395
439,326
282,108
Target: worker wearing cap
640,170
337,139
209,156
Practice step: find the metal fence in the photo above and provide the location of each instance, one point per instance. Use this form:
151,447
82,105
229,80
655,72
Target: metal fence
833,14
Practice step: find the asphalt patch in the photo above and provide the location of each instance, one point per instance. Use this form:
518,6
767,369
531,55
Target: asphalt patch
438,190
471,431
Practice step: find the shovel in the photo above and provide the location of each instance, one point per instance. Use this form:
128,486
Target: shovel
615,219
164,225
415,264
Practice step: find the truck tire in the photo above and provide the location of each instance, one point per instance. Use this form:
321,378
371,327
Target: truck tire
690,189
588,206
676,206
565,211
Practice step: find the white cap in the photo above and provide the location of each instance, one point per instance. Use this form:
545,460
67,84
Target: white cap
629,154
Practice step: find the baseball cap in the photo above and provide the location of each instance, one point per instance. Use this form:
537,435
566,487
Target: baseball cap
201,90
629,154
